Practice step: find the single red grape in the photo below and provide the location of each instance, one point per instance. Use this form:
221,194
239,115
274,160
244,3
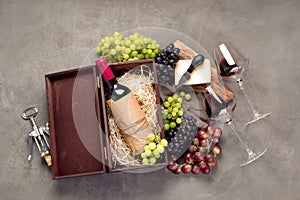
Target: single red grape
216,150
210,130
195,169
204,167
186,168
188,158
192,149
217,132
198,157
172,166
196,141
202,134
209,158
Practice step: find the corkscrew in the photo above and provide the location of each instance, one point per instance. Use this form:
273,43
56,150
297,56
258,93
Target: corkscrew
38,135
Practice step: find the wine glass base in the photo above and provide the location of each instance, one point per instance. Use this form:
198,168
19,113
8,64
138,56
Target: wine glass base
253,156
257,117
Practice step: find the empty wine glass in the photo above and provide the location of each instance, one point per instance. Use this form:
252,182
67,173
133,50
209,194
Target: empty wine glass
232,65
226,116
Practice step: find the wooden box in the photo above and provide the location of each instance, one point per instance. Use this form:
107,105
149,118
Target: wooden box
78,121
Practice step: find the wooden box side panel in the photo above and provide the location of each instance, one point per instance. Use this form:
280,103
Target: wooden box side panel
119,69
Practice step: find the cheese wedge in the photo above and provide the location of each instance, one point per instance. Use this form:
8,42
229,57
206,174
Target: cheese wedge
200,75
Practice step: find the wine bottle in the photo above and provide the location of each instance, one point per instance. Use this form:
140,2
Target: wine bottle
126,111
115,90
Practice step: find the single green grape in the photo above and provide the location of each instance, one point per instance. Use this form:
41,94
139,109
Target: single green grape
137,42
132,47
170,99
178,120
165,112
117,42
116,34
180,113
166,104
145,161
113,52
143,155
152,55
134,53
175,96
148,152
118,48
164,116
179,100
152,160
152,145
187,97
166,127
120,58
126,56
155,153
98,49
144,51
141,56
151,137
163,142
149,52
169,116
178,105
160,148
172,125
175,109
127,43
127,51
102,41
146,147
106,45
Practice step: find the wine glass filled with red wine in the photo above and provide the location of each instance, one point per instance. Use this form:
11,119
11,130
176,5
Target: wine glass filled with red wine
232,65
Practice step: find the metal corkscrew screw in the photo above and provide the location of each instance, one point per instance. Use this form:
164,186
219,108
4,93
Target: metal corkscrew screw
37,135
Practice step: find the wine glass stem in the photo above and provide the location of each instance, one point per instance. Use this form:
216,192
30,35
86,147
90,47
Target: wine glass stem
240,83
245,145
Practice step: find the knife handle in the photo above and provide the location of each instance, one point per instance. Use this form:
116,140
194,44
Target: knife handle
197,60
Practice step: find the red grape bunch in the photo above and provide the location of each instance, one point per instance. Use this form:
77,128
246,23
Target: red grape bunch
201,154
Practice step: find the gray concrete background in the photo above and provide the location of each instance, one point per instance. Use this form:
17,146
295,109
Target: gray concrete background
40,37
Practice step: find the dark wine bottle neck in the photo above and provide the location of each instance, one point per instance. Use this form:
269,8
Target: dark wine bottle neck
115,91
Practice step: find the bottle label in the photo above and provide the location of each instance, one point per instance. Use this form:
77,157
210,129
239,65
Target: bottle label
106,72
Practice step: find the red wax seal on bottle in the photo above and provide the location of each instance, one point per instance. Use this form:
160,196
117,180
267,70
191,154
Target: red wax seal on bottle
104,68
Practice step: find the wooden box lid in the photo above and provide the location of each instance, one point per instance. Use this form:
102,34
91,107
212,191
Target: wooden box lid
73,109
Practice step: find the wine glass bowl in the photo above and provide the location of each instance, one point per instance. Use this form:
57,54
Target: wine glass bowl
230,62
231,65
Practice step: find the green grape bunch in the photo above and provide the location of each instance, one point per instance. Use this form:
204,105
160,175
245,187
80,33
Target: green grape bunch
119,48
154,149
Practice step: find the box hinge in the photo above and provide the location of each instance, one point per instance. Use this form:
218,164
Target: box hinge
105,153
98,82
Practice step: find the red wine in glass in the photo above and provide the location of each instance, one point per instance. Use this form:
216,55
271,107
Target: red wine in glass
232,64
